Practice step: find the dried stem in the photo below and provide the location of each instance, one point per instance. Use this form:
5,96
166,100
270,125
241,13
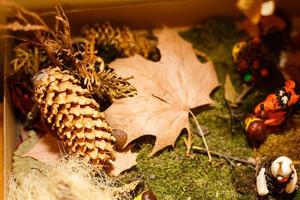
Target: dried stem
202,135
189,142
224,156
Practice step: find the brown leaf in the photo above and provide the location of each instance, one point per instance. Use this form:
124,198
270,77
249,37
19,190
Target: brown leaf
251,29
251,9
291,68
123,160
167,90
272,22
46,150
230,92
267,24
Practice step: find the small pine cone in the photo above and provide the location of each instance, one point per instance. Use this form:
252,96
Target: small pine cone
122,39
73,115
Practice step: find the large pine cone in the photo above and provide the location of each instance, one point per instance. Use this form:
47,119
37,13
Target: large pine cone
126,42
73,115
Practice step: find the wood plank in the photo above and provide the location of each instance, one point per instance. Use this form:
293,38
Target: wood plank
1,151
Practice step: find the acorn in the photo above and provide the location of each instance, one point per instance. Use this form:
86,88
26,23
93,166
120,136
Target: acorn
255,130
146,195
256,64
121,138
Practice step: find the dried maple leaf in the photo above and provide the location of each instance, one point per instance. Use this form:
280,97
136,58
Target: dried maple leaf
167,90
230,92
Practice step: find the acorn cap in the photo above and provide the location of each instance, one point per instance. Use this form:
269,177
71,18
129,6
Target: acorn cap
121,138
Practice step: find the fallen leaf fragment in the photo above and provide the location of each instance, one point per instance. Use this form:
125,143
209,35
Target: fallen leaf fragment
290,59
291,68
167,90
267,24
251,9
251,29
123,160
46,150
230,92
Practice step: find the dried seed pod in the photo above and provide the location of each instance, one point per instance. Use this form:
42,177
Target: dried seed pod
73,115
253,59
122,39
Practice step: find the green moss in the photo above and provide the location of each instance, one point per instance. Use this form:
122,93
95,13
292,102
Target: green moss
284,140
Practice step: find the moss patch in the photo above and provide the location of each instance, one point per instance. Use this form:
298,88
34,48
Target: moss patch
284,140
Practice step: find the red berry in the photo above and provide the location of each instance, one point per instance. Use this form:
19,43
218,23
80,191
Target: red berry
264,72
243,65
256,40
256,64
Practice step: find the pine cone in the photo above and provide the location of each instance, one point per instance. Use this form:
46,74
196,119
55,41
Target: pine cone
122,39
73,115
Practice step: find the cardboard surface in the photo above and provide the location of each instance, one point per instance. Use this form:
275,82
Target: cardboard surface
137,14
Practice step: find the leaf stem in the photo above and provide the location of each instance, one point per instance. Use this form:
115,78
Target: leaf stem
189,141
202,135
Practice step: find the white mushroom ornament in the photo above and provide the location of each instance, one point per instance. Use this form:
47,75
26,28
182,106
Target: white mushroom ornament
278,177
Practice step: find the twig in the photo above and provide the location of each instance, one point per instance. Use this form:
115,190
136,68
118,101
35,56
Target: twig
231,117
202,135
226,157
245,91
